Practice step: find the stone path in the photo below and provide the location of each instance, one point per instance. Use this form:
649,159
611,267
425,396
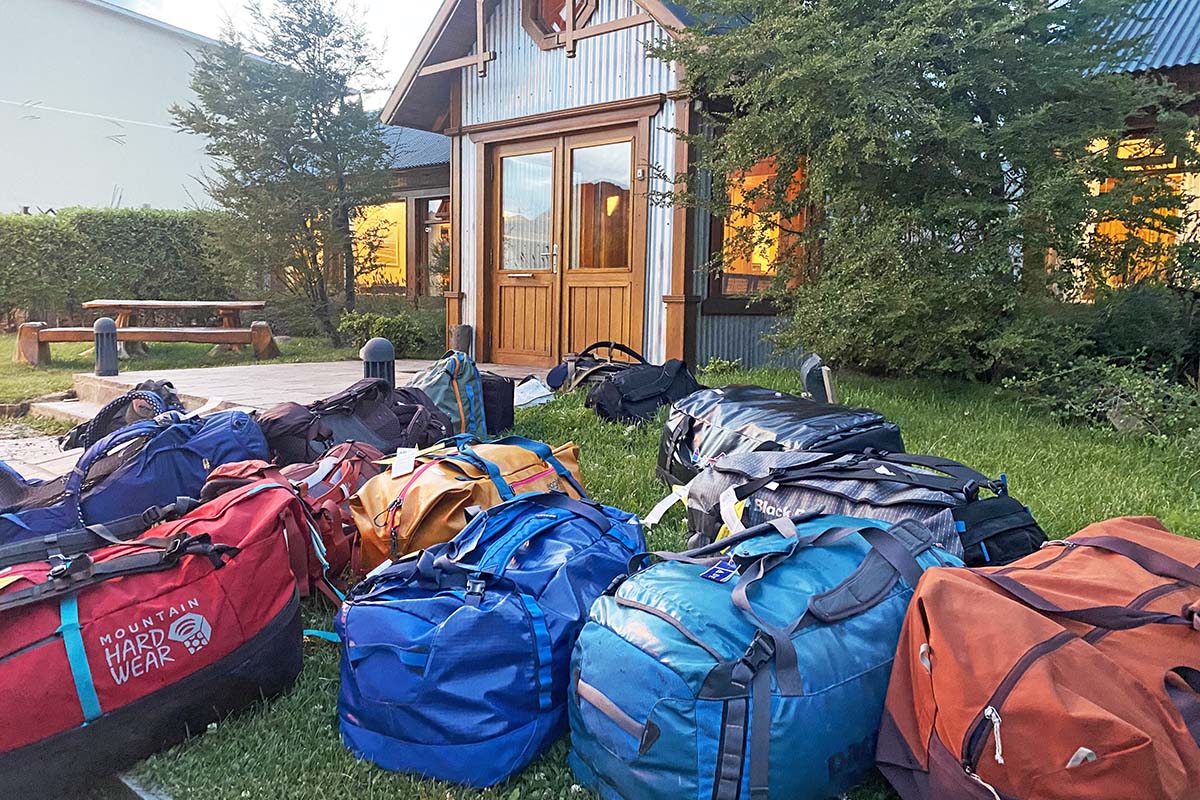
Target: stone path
32,453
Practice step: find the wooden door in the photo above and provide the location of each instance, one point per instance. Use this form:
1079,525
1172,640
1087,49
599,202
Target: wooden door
603,269
566,224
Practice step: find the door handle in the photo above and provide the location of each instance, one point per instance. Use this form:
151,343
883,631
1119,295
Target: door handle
552,254
518,274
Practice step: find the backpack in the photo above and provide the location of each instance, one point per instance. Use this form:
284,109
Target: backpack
427,501
321,545
1073,673
146,464
636,393
759,673
454,385
110,656
454,660
944,495
713,423
587,368
145,401
369,411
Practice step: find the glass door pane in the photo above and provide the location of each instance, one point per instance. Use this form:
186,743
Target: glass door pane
601,208
526,211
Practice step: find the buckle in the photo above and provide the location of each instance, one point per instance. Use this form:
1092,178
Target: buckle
757,655
59,570
476,586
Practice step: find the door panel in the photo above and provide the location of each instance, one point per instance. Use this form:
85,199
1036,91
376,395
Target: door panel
567,246
601,281
524,282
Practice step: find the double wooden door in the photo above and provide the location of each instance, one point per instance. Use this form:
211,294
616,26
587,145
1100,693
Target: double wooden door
567,224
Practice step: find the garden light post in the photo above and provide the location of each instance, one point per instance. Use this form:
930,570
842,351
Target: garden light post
379,360
106,347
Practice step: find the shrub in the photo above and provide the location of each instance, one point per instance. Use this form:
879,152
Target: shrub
405,331
1148,324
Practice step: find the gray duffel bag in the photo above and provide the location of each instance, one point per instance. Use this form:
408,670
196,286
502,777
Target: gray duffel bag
740,491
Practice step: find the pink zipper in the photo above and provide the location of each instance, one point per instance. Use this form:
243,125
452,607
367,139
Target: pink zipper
532,478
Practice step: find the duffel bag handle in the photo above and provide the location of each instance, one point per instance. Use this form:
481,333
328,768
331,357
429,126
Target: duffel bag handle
611,346
102,448
493,549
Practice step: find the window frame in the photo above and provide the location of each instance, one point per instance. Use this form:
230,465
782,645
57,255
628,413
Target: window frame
546,37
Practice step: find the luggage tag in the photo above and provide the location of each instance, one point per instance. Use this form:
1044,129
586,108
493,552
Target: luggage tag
722,572
404,462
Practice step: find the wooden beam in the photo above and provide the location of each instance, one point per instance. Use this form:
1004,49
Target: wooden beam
568,37
570,119
681,303
481,38
610,27
458,63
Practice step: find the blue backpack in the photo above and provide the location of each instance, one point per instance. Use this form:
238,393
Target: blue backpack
143,465
759,674
454,660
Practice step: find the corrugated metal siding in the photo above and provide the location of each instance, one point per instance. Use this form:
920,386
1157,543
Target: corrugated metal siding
1173,31
526,80
741,337
467,231
660,227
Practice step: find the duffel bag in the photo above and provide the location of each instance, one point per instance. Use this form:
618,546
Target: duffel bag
714,423
588,368
454,385
760,673
1073,673
108,657
970,515
320,546
146,464
636,393
454,661
369,411
426,501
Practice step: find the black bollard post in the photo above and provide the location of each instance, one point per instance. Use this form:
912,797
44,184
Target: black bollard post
379,360
106,347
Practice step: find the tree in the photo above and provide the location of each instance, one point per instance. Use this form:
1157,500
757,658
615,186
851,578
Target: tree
943,149
297,156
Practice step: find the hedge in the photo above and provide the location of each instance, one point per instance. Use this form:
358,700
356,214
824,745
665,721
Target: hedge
51,263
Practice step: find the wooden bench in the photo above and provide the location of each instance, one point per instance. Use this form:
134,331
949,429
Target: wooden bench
34,338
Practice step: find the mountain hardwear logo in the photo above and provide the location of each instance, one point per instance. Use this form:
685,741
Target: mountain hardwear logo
192,630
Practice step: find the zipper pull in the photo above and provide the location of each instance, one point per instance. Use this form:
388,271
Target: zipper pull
992,715
983,783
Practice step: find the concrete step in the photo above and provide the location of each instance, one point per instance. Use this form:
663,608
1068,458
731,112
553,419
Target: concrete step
99,392
71,411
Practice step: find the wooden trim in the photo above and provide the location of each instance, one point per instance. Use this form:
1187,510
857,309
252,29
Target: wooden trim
739,306
548,39
612,26
567,120
418,59
662,15
454,294
482,316
681,323
458,63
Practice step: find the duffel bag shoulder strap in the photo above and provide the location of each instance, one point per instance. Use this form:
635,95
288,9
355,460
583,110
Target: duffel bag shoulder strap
546,454
71,575
613,346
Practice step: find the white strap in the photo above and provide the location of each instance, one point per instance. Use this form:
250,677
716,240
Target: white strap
729,511
677,495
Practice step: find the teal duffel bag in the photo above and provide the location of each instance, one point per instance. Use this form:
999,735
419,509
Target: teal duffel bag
755,674
455,386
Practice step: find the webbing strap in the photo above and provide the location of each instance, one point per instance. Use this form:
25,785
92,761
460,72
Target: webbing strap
545,453
541,635
328,636
760,734
493,471
731,751
81,672
1183,690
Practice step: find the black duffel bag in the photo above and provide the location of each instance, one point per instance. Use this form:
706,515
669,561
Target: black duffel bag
588,368
637,392
712,423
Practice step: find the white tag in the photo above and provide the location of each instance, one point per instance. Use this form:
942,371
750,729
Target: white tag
404,462
882,470
773,485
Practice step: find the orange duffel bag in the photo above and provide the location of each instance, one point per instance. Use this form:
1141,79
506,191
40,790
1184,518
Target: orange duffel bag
1072,673
426,502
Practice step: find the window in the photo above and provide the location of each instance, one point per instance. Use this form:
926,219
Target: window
386,222
748,267
545,19
434,226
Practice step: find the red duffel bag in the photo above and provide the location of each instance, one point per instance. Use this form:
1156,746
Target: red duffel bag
109,656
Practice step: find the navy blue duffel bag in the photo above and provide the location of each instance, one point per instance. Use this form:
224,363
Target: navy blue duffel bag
141,466
454,660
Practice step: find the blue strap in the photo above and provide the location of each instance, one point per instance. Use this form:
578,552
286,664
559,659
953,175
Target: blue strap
328,636
545,453
493,471
474,417
541,635
77,658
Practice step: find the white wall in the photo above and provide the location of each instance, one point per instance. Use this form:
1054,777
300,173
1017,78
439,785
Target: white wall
84,93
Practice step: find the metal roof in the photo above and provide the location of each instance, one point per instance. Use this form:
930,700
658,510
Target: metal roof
1172,31
413,148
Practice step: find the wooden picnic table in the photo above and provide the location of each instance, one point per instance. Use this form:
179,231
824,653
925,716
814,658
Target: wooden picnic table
126,313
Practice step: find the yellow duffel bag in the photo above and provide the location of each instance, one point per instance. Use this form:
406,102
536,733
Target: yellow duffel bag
405,509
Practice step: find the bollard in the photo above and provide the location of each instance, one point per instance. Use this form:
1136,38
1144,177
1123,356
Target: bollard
106,347
379,360
461,338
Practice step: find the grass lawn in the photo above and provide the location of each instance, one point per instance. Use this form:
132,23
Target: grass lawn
1070,476
20,382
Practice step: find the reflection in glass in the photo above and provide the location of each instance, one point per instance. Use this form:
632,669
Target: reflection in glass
600,206
526,211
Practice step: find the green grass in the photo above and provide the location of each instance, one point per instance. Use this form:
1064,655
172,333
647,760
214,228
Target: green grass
289,748
20,382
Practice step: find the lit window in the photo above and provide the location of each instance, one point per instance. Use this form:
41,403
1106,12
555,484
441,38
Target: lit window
751,238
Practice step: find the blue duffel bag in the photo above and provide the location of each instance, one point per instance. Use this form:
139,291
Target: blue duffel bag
454,660
147,464
758,674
